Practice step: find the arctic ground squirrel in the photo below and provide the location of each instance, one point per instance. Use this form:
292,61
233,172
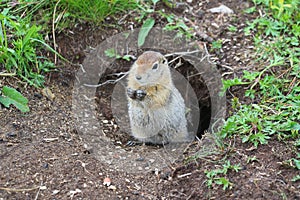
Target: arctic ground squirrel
156,108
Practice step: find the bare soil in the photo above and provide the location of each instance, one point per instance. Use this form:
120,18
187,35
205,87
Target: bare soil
44,156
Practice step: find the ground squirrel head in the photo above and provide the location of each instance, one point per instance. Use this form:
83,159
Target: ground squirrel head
151,68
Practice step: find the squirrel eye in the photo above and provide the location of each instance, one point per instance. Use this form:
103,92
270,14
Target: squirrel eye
155,66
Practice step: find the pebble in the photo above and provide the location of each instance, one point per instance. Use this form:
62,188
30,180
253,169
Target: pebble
112,187
43,187
200,13
140,159
127,180
45,165
221,9
48,93
11,134
107,181
55,192
38,95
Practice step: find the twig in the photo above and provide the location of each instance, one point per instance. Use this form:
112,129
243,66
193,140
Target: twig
19,190
50,139
227,67
108,81
190,196
124,17
38,192
226,73
292,85
118,74
184,175
7,74
264,70
202,35
175,59
53,30
207,54
83,165
190,76
181,53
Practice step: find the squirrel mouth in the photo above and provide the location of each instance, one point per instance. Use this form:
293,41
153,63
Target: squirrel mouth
142,82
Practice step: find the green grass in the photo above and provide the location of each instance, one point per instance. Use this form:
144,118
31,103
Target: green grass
19,41
96,11
274,85
68,12
25,23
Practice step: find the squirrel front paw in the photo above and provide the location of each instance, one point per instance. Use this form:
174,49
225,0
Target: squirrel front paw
140,94
131,93
136,94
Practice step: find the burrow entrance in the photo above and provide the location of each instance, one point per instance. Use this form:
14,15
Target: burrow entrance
111,123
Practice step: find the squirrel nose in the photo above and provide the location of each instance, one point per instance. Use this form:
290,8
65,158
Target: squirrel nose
138,77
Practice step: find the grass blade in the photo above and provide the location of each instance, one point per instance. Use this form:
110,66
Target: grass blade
147,26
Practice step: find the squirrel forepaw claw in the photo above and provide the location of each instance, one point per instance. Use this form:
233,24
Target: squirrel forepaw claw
131,93
140,94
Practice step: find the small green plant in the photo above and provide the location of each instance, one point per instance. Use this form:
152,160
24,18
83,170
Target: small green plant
232,28
216,44
12,96
111,53
173,22
276,87
295,162
216,176
250,10
251,159
19,42
296,178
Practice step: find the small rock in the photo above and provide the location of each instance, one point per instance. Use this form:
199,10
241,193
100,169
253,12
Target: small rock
105,121
11,134
180,6
107,182
140,159
200,13
9,144
135,192
54,192
38,95
112,187
127,180
221,9
48,94
73,192
43,187
45,165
